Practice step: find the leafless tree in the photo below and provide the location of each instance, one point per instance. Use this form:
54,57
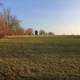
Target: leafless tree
29,31
50,33
42,32
12,24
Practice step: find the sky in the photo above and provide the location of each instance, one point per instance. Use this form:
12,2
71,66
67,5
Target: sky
58,16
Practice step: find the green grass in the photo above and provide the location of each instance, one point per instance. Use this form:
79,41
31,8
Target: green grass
40,58
56,45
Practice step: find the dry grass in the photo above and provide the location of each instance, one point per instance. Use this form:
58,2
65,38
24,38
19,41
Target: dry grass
40,58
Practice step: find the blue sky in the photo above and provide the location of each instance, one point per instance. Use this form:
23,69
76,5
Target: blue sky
58,16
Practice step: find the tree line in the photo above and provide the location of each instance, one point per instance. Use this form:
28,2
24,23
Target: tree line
10,25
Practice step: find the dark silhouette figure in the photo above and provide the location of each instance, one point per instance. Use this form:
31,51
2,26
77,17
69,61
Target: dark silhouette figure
36,32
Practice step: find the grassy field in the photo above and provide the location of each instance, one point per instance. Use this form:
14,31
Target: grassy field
40,58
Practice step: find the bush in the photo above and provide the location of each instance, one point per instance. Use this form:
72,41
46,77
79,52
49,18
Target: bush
2,36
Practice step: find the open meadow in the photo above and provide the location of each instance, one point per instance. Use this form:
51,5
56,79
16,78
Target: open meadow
40,58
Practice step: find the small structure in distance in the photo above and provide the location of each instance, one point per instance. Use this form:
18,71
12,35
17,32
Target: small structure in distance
36,32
